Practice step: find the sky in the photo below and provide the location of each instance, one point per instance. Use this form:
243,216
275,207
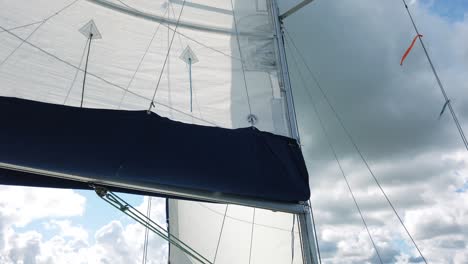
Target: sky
353,48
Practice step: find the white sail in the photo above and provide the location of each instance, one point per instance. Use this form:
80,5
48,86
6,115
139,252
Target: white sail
234,81
235,234
43,68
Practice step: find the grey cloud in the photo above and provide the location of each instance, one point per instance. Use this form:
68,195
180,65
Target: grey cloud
354,48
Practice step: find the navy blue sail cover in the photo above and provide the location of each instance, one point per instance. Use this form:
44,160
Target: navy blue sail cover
134,146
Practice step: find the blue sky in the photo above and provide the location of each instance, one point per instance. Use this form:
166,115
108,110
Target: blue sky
453,10
97,214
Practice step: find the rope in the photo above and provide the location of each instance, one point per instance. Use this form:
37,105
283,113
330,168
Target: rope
251,121
245,221
145,243
139,65
292,238
86,68
220,234
136,215
182,48
34,31
439,82
351,139
301,243
103,79
23,26
167,56
315,233
185,36
251,235
76,72
322,125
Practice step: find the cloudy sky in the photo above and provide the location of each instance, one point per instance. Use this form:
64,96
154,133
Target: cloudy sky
354,49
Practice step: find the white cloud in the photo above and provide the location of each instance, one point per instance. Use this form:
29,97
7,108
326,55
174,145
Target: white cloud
66,229
113,243
21,205
354,48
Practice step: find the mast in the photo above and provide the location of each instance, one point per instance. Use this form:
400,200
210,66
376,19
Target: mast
306,225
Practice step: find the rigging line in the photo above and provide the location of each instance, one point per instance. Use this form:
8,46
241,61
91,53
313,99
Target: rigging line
251,121
292,238
103,79
139,65
187,37
315,231
300,227
136,215
182,48
220,234
168,72
76,73
351,139
439,82
330,145
86,67
167,56
169,233
23,26
173,13
145,243
34,31
244,221
123,3
251,232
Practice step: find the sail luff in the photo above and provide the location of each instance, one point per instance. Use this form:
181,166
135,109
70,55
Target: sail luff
284,72
308,232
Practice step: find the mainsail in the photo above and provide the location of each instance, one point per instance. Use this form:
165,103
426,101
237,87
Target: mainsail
125,55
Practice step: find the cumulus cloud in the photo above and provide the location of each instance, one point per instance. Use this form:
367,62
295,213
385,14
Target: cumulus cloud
70,243
66,229
23,205
354,48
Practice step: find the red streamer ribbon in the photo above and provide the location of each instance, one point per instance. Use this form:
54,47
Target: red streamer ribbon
409,49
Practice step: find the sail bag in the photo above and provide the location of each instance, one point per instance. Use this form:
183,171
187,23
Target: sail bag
142,148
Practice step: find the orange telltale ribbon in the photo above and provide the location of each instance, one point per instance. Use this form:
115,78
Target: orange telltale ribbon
409,49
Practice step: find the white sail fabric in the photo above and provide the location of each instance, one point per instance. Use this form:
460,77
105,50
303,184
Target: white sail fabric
43,67
266,237
42,58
